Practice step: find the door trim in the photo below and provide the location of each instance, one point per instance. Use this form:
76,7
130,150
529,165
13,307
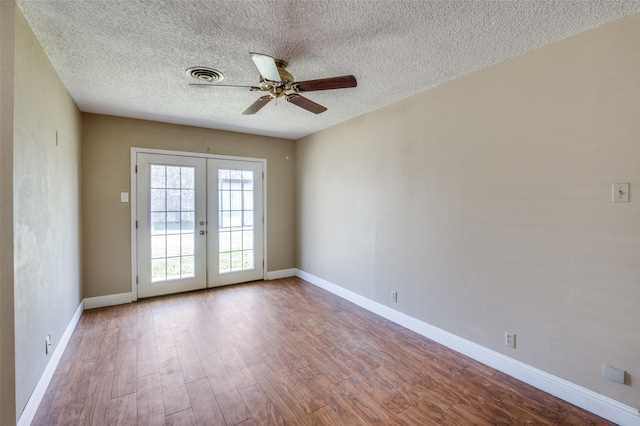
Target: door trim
133,203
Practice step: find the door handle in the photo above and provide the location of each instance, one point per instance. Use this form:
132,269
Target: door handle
202,232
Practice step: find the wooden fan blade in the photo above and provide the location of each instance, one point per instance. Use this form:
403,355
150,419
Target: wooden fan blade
305,103
342,82
257,105
252,88
266,65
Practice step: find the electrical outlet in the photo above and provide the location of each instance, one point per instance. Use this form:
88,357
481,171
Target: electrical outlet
510,339
47,344
394,296
613,373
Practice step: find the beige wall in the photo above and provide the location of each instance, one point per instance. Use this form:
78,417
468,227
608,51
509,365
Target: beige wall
46,197
486,204
106,172
7,342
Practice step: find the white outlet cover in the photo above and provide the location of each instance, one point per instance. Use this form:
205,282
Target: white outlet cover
510,339
124,197
612,373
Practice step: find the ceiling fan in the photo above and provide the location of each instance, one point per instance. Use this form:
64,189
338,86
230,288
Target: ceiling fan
275,79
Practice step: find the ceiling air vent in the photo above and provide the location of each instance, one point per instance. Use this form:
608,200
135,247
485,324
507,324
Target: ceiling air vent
205,74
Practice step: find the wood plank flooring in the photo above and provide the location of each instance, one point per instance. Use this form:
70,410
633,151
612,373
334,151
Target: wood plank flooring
275,353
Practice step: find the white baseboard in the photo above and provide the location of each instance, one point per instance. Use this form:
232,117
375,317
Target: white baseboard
283,273
33,403
586,399
108,300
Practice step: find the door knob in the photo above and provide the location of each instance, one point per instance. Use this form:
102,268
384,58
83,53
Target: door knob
202,232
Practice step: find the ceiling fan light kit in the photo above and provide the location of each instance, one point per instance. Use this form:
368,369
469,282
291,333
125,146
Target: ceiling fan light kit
275,79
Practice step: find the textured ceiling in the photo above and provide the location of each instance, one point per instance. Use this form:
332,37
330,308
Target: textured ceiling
128,57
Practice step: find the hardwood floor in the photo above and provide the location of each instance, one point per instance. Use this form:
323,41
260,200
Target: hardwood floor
277,352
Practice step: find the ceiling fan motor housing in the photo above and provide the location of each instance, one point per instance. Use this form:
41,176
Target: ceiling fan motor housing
285,76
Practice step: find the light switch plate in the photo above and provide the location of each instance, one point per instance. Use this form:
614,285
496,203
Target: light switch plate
124,197
620,193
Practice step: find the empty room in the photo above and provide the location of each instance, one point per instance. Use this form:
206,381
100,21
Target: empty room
319,212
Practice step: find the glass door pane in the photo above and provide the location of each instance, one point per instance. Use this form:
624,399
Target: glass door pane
172,191
235,220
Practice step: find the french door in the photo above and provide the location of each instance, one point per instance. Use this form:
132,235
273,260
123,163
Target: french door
199,222
235,245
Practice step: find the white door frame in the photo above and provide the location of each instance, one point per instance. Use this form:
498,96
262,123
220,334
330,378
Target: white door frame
133,201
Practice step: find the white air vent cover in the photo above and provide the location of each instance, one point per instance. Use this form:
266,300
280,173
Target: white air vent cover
206,74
